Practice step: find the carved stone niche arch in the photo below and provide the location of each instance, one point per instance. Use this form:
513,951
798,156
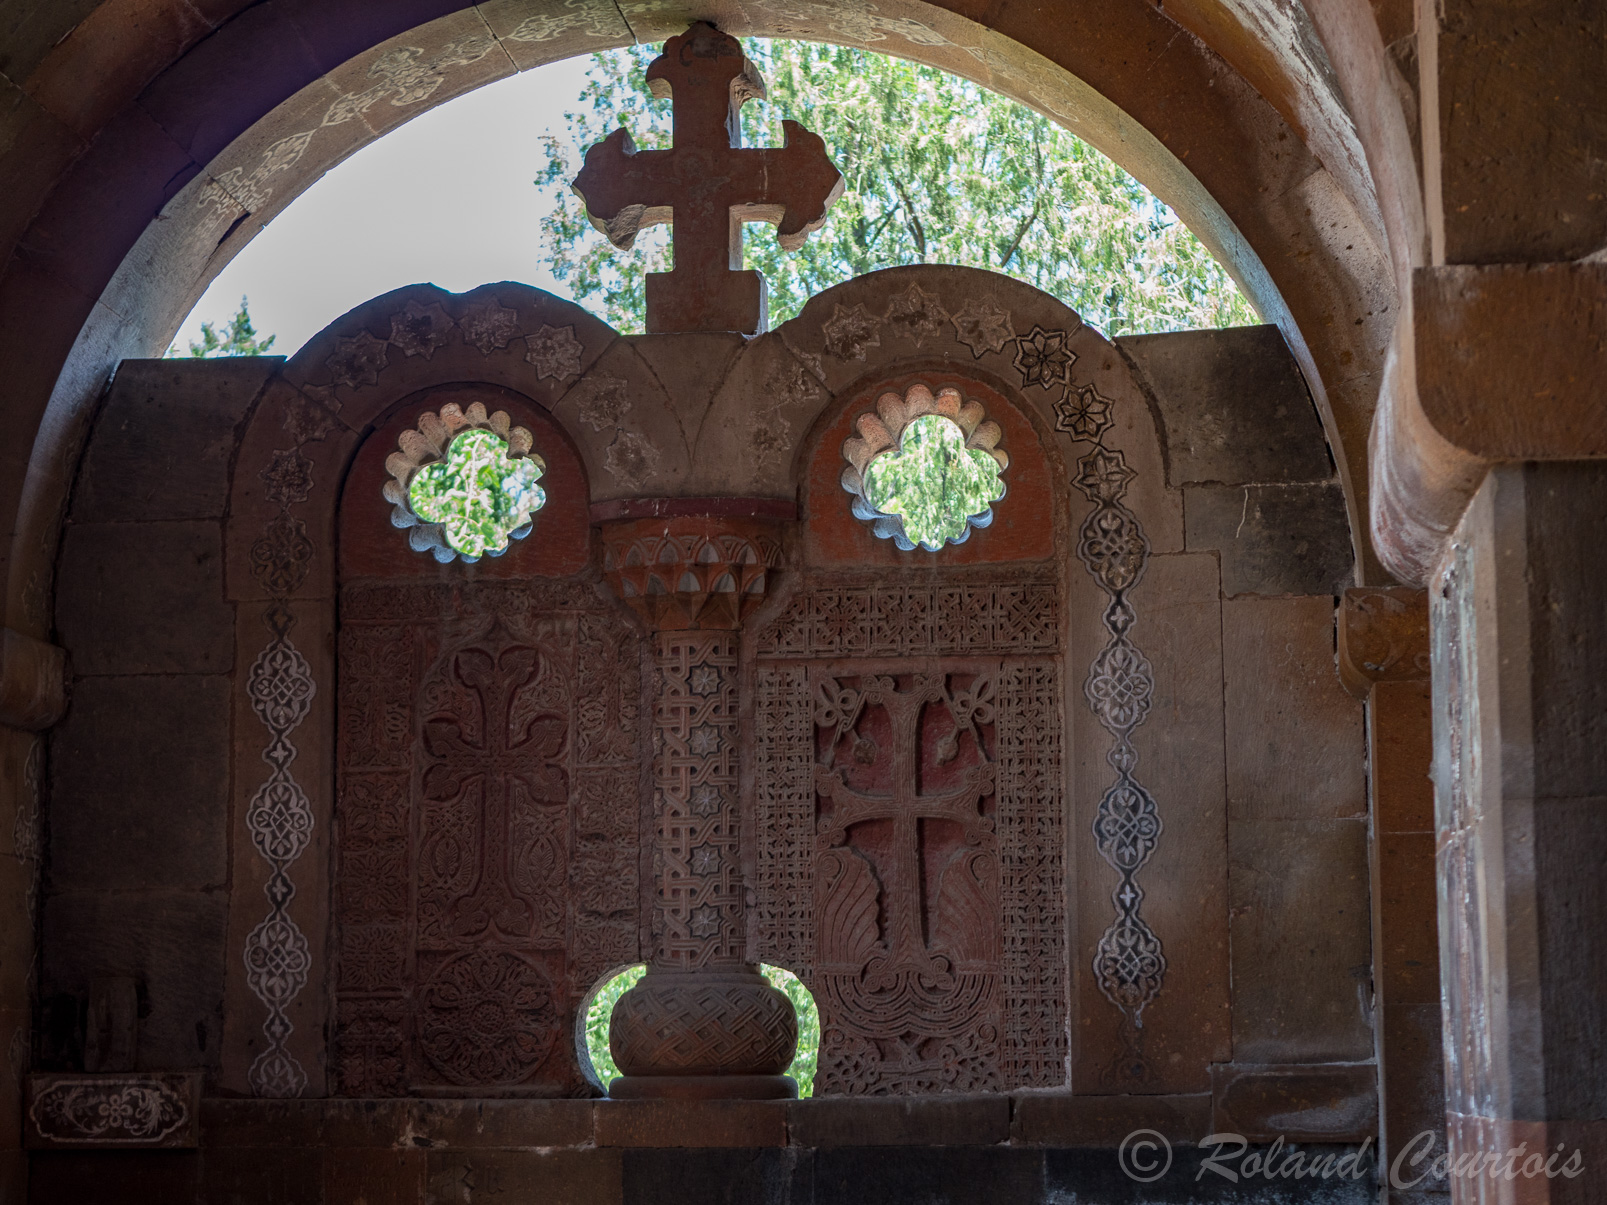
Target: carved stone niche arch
368,900
962,776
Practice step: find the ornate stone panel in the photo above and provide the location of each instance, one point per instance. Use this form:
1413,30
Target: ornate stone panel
486,832
910,839
120,1111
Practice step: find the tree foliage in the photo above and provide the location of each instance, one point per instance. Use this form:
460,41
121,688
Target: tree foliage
479,494
238,338
938,169
933,481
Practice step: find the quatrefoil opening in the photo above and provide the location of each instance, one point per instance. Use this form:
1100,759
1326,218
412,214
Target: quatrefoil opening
463,483
924,468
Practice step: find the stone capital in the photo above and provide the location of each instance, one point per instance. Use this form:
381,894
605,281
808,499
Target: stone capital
1490,363
1383,637
691,572
33,682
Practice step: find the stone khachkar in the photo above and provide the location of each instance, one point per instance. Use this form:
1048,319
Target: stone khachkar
707,185
487,851
910,856
702,1022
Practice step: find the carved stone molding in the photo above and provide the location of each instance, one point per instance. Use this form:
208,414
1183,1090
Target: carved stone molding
690,572
1383,637
33,682
152,1109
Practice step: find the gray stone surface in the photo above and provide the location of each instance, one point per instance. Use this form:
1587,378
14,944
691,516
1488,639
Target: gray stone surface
1301,944
144,598
1233,405
171,942
1273,539
140,784
161,446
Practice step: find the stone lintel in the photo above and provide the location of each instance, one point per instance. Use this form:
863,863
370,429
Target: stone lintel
33,682
1383,637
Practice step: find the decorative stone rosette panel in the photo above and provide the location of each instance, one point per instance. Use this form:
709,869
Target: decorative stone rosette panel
113,1111
426,444
1129,964
486,837
882,432
910,846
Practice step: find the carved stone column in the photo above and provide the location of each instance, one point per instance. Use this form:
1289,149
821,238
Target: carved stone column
702,1022
1384,661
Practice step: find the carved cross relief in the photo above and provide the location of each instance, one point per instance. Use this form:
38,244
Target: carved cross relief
706,186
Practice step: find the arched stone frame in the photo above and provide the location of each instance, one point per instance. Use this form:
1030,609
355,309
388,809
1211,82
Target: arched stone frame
1276,207
296,453
898,324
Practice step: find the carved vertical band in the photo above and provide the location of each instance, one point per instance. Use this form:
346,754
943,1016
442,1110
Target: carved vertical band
697,918
1129,964
281,690
279,818
784,810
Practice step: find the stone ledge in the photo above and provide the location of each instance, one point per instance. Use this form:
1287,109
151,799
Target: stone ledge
891,1121
691,1123
1060,1120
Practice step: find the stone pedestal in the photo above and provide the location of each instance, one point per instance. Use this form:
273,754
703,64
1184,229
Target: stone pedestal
1384,661
1520,767
702,1023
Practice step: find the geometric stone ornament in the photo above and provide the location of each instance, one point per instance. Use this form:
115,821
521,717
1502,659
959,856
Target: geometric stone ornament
113,1111
686,574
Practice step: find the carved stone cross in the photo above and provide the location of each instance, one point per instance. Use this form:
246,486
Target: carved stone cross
706,186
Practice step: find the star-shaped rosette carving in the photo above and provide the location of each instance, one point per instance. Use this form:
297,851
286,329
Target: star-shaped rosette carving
1083,413
1103,475
882,433
1042,358
425,448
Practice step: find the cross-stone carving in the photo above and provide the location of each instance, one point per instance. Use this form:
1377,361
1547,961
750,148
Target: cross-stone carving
707,185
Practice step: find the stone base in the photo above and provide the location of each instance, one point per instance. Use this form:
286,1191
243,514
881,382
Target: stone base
704,1087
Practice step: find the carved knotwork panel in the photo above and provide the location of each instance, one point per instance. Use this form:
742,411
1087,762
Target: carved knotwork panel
486,829
910,846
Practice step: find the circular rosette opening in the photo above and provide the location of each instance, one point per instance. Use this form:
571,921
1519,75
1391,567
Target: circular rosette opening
465,483
925,469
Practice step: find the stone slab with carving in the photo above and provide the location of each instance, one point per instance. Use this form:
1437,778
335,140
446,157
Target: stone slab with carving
138,1109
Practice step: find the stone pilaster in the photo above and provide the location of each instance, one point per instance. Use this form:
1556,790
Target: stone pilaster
1384,661
702,1022
1520,777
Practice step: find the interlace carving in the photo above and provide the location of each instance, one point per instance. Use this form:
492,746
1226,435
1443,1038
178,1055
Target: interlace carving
697,919
486,837
915,620
109,1111
279,819
1129,964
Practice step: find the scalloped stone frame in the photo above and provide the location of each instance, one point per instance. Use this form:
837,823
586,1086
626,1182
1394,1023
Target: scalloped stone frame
426,444
882,430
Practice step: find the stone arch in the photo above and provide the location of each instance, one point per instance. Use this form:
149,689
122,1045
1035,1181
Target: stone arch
224,124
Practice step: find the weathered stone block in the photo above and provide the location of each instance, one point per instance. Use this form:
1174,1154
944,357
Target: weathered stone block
691,1123
1233,406
1302,957
140,791
500,1123
1058,1119
909,1174
584,1177
1300,1103
1295,748
1273,539
261,1176
162,444
145,598
947,1120
708,1177
170,941
1401,747
375,1177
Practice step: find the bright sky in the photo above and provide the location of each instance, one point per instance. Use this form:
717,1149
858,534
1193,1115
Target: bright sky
377,222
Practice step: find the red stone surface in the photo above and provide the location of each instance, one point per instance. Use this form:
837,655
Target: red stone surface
1023,520
707,185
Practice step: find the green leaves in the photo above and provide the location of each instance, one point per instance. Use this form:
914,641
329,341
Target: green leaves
934,482
239,339
803,1063
478,494
939,170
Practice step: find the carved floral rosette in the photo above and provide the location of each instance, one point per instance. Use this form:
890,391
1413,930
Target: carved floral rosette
87,1111
428,443
882,432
